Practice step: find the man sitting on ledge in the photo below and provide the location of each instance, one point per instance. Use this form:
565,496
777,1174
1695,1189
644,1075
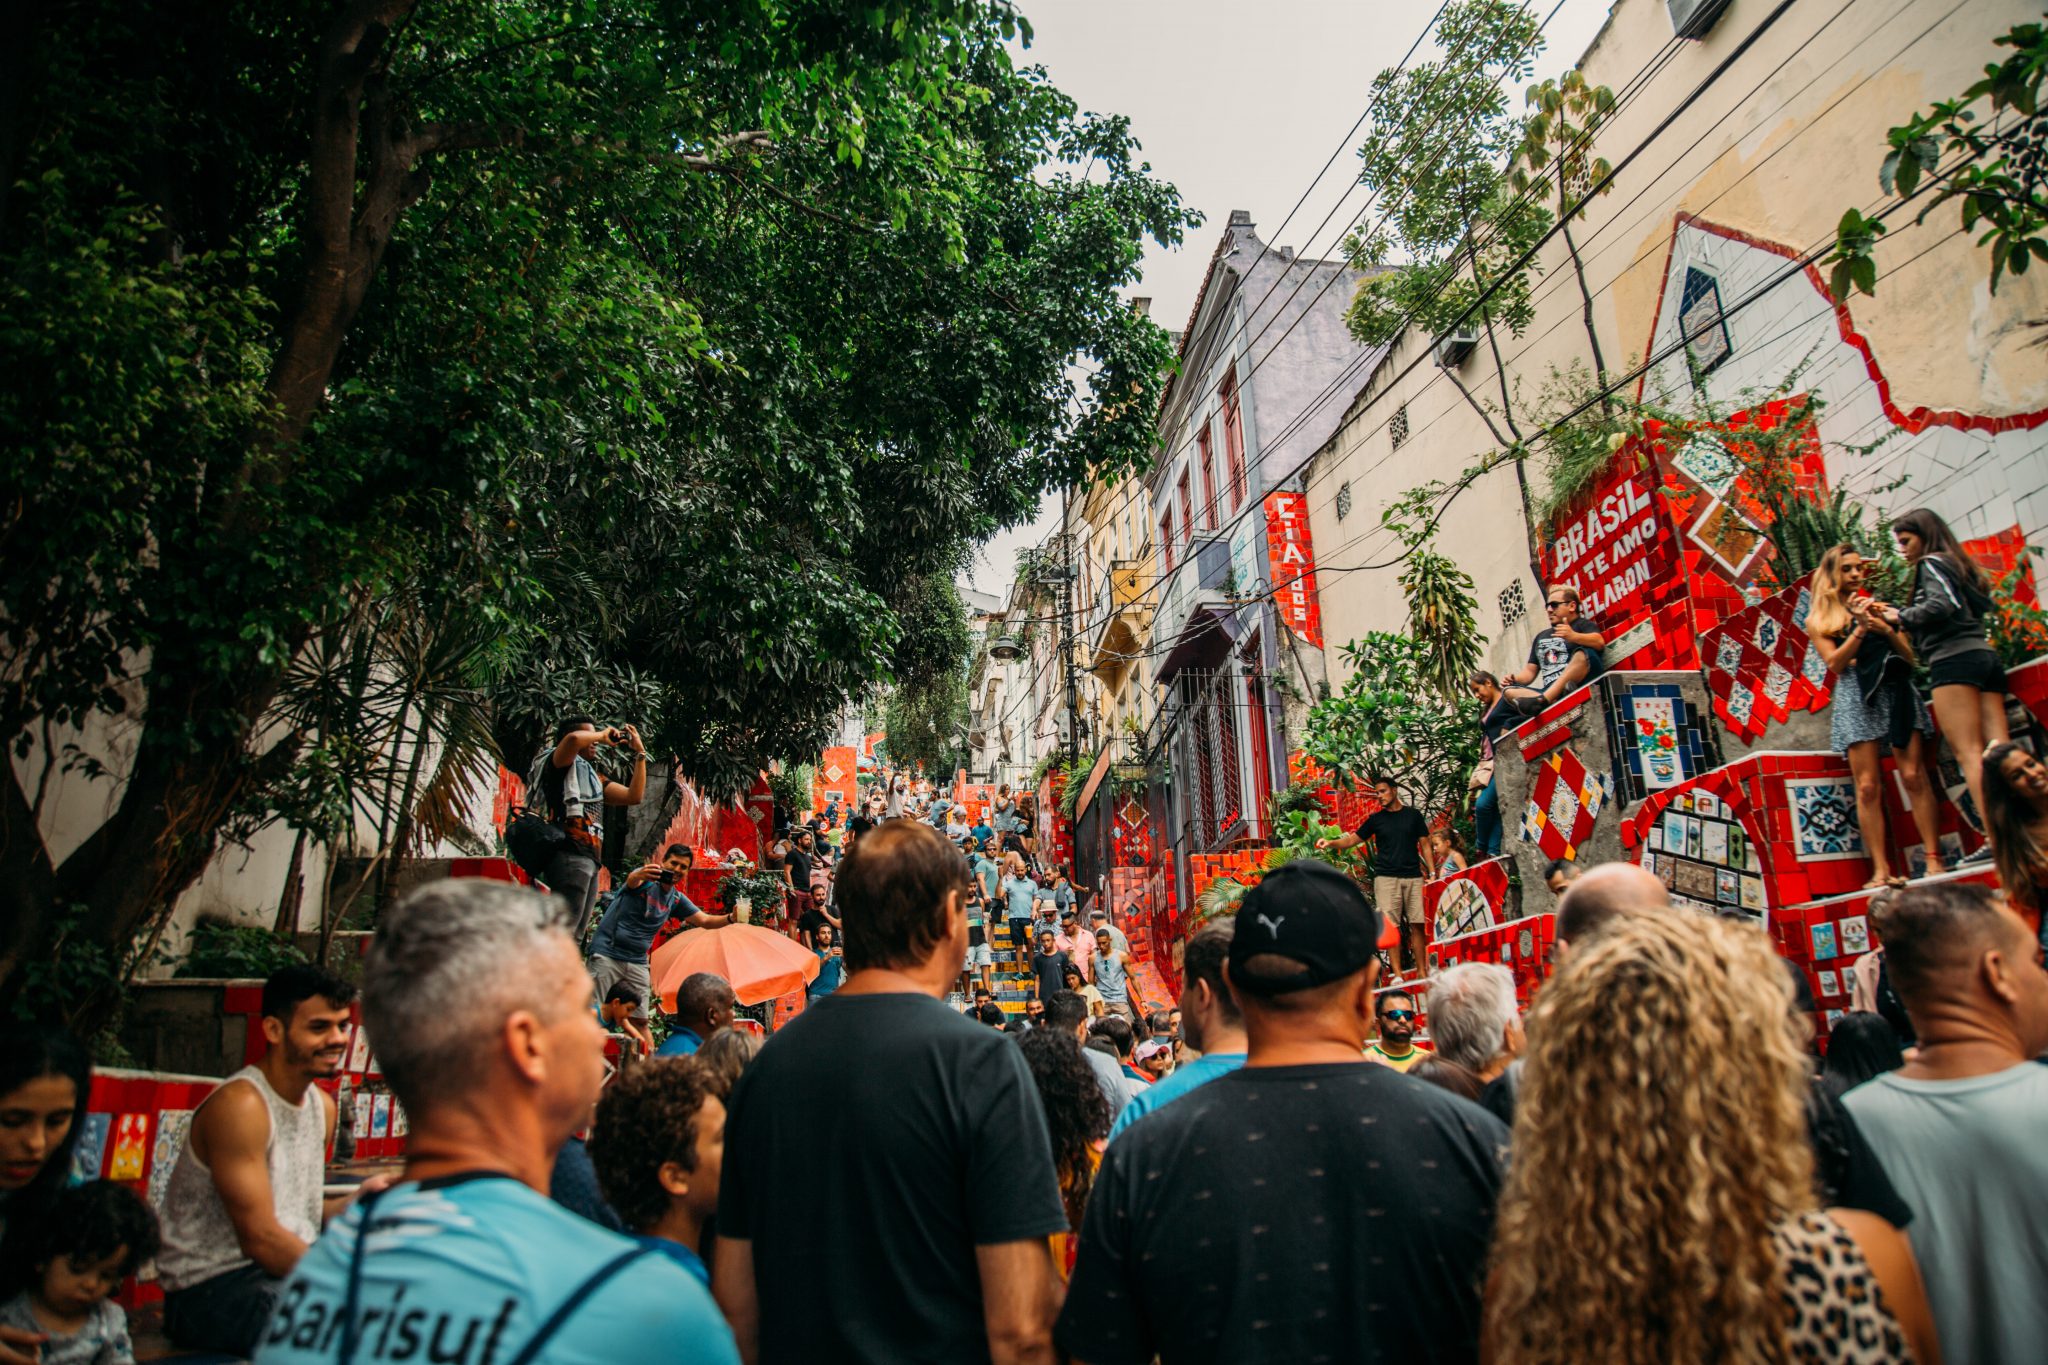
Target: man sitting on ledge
1564,656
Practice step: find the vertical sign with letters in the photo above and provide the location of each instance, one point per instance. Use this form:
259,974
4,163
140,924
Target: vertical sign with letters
1291,564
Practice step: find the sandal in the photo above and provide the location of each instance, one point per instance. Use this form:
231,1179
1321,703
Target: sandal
1898,883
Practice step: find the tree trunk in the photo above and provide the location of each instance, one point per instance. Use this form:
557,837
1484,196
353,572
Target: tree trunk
294,894
1586,298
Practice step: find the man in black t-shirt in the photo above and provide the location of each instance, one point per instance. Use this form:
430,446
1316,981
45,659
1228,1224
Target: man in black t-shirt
1049,966
1564,655
1401,862
918,1230
1307,1206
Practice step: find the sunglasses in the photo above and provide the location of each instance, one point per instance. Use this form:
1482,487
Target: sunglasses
1398,1015
1559,603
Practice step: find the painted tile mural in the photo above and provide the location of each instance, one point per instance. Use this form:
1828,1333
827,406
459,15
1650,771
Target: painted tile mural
1761,666
1564,802
1824,819
1657,737
1466,902
1700,849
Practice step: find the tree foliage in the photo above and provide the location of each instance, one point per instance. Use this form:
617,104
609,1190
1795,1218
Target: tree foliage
659,343
1998,168
1388,720
1434,157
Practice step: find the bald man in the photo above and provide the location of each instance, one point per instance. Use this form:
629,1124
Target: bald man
1603,893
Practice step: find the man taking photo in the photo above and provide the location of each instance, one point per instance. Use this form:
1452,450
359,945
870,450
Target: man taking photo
652,896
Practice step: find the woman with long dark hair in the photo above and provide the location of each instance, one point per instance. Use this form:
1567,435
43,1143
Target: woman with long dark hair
1077,1120
1875,709
1861,1047
2016,818
1945,615
45,1079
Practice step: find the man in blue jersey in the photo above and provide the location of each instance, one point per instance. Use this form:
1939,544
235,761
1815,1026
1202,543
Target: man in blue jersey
479,1010
1210,1021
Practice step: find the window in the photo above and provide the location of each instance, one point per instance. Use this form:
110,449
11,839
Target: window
1397,426
1701,321
1233,443
1187,505
1511,606
1166,541
1344,500
1207,456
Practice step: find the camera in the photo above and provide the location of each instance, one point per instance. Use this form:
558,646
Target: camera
668,878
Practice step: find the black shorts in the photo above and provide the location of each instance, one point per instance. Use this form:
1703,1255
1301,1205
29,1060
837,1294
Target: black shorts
1979,669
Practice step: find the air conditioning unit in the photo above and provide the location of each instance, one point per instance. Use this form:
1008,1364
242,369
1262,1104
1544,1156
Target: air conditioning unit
1455,348
1695,18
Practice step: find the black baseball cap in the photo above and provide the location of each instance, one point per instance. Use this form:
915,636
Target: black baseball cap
1309,911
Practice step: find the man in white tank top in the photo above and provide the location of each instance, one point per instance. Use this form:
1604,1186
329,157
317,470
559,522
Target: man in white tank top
244,1199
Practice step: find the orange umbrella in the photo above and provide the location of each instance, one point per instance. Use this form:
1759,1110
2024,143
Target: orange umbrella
760,963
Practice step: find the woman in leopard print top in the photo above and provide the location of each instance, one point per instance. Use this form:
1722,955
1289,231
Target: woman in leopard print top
1660,1202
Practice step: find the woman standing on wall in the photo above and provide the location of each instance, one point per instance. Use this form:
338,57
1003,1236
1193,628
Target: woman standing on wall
1945,617
1875,708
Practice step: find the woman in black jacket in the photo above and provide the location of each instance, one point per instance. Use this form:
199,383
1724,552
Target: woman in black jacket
1945,616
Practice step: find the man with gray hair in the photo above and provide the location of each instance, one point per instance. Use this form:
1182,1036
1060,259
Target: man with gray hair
1474,1019
477,1004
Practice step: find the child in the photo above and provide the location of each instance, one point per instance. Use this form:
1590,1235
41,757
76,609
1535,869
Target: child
1448,846
93,1238
658,1145
617,1015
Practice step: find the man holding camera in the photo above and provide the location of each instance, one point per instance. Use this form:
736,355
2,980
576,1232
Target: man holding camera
650,898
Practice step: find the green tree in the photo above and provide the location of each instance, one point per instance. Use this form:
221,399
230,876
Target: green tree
1998,168
657,344
1436,156
1388,720
1557,152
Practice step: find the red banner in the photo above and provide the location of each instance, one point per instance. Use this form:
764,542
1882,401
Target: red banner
1291,564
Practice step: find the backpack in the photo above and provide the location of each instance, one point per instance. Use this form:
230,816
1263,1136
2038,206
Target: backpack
533,840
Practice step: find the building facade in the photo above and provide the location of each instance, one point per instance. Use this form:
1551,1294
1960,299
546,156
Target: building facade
1704,267
1234,649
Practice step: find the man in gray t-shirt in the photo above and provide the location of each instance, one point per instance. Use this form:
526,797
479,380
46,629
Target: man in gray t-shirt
1959,1128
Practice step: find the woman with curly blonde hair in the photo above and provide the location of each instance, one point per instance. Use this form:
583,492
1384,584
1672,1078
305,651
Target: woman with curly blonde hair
1659,1203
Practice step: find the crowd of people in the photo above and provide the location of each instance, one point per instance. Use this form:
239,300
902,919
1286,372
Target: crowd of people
1636,1171
1654,1163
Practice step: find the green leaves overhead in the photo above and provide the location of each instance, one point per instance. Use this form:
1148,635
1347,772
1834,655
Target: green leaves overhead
1390,719
661,343
1995,142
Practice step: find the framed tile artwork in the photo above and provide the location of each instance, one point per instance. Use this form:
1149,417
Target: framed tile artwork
1824,819
1694,881
1830,984
1657,738
1854,933
1823,935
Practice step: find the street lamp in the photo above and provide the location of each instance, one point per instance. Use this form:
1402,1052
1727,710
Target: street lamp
1005,649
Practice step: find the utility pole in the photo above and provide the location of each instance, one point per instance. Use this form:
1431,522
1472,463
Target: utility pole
1070,575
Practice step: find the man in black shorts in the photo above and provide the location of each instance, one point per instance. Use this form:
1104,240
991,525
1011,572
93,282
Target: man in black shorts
1401,862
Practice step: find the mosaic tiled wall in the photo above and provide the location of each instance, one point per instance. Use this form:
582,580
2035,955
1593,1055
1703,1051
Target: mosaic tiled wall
1657,738
1707,854
1467,902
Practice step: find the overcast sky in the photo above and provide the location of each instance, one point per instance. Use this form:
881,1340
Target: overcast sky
1239,103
